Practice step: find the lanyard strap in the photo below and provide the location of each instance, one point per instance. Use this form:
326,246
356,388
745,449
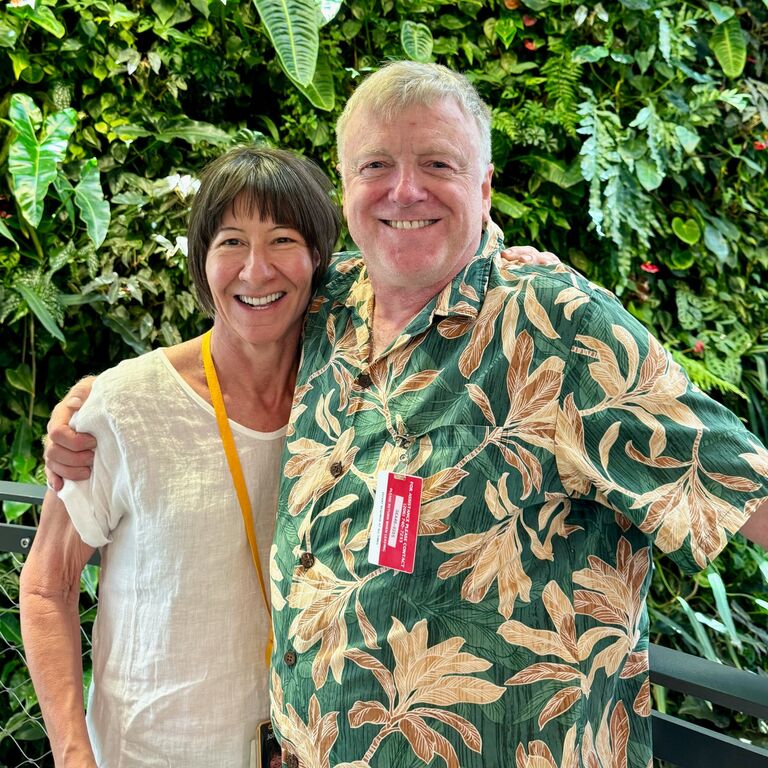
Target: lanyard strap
236,471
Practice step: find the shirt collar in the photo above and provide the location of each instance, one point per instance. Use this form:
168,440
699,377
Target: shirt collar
463,296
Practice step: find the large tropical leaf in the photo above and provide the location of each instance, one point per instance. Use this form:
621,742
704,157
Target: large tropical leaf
89,198
730,47
554,170
416,40
321,92
34,163
292,27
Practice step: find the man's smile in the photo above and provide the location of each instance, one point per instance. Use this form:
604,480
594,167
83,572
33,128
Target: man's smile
404,224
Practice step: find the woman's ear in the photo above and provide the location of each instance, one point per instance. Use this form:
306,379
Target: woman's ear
315,259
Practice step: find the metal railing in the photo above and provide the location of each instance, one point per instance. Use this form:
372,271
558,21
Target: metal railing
675,741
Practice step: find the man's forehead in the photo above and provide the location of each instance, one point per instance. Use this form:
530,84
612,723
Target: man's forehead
441,126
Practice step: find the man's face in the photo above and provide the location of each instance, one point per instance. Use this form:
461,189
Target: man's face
416,195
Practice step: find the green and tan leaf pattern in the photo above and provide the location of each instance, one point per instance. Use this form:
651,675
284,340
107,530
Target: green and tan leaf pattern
557,443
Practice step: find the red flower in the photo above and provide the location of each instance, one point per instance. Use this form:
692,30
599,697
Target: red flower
530,45
512,4
760,145
529,21
646,266
698,347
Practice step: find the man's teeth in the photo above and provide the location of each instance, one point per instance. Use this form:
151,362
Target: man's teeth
417,224
260,301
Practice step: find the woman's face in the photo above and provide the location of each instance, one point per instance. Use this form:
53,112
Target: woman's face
260,276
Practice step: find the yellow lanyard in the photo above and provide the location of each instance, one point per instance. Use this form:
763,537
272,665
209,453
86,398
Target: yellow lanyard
236,470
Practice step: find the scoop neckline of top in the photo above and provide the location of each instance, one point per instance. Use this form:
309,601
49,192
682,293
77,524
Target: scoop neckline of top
206,406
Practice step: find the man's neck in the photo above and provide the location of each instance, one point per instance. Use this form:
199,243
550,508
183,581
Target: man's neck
393,310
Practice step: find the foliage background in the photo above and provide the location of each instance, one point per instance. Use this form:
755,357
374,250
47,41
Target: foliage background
629,137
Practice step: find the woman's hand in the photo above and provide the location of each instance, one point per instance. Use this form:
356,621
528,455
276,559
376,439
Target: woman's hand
527,254
68,454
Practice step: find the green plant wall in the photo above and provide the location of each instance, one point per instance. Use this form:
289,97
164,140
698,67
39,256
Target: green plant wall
629,137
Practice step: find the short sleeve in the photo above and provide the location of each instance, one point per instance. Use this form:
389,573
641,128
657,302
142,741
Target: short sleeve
634,434
96,505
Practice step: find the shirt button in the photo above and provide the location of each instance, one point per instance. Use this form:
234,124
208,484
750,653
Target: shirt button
289,657
307,559
364,381
292,761
336,469
403,457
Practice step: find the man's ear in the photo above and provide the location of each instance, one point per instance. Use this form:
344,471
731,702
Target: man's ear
486,190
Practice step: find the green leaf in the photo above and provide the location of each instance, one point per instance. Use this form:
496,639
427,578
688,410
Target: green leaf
723,607
416,40
536,5
588,53
321,92
7,233
508,205
704,643
688,139
292,28
729,45
191,131
716,243
10,629
130,132
327,10
43,17
89,198
201,6
648,174
21,378
554,170
505,29
688,231
20,61
119,14
164,10
8,35
34,164
720,13
36,304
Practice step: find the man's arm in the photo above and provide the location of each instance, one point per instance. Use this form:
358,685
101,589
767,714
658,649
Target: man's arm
68,454
756,528
50,627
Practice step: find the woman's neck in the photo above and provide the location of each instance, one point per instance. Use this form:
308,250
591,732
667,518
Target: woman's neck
256,382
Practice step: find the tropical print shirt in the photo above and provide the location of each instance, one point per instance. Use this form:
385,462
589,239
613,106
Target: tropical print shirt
557,442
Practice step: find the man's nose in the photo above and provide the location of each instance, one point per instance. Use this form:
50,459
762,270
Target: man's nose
407,187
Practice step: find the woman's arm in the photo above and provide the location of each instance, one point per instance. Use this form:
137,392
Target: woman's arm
50,627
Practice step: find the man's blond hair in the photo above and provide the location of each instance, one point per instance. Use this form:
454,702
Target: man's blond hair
402,84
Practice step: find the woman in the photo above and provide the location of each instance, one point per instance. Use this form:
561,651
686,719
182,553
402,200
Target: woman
180,641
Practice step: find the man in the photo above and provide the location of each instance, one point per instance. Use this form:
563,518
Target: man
477,464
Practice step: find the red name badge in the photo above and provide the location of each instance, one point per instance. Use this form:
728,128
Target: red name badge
395,521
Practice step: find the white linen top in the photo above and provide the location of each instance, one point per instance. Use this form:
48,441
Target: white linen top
179,674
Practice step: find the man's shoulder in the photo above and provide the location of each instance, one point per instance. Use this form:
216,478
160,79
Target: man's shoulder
343,270
551,285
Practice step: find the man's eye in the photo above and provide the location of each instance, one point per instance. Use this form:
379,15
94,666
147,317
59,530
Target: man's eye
374,165
439,164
